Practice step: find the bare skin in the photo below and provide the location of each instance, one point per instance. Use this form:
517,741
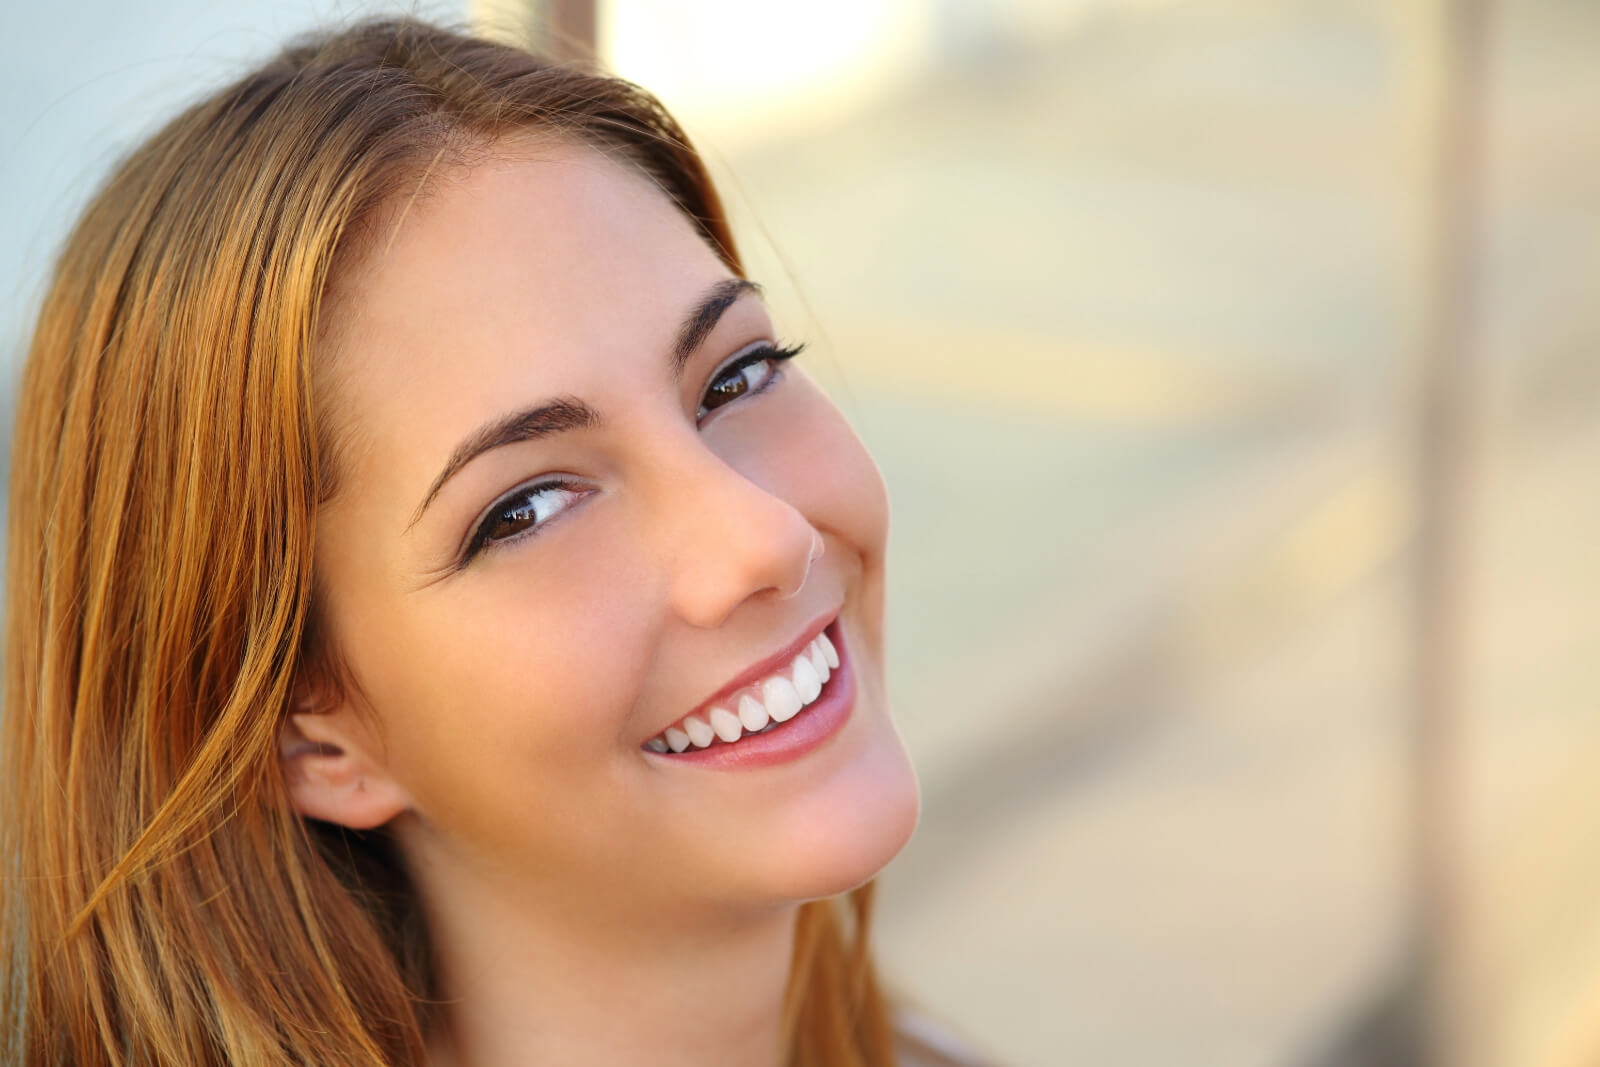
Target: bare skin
515,636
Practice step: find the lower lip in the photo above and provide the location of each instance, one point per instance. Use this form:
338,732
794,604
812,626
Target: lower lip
788,741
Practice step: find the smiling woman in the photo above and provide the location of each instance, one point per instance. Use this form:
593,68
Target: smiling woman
445,625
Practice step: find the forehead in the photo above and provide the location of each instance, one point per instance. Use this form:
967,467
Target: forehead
526,274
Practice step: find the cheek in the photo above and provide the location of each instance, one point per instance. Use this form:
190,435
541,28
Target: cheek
835,483
511,688
807,454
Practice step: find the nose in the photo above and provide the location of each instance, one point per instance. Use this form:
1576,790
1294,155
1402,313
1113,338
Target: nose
730,539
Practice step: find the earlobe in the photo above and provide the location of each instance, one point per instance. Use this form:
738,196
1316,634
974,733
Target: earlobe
331,774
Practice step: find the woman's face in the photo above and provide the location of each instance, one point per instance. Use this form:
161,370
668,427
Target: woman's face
584,498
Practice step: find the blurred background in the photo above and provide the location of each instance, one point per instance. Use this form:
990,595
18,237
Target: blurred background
1232,365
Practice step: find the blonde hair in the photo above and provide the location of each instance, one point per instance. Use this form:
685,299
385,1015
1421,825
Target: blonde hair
162,903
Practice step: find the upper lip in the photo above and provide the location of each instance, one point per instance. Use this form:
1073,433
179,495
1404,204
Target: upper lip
764,667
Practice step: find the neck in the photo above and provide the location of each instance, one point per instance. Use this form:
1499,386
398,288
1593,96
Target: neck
521,985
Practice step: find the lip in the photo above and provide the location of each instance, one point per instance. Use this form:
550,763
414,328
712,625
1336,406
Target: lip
762,668
787,741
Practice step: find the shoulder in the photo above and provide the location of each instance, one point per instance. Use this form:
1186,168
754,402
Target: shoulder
924,1041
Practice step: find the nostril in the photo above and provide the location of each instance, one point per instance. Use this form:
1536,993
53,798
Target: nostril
814,554
729,537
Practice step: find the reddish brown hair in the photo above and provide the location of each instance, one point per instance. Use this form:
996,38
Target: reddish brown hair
162,903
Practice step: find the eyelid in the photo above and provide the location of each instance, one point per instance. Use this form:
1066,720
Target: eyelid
766,349
476,542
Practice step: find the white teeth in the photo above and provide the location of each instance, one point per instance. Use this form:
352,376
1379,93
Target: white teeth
806,680
726,724
781,698
751,714
698,731
829,653
819,662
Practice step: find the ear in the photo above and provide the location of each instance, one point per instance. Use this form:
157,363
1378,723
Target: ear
332,763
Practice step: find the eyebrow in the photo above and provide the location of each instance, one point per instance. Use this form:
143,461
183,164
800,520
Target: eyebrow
553,417
564,414
699,323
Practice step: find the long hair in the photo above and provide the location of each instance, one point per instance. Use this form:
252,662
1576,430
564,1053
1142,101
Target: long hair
161,902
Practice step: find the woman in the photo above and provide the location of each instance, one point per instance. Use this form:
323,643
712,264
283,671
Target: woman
444,627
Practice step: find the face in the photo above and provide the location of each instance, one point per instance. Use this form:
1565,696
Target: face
587,497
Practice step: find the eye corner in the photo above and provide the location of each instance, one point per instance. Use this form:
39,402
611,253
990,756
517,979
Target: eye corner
766,351
485,537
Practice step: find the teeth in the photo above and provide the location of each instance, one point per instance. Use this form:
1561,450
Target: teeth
819,662
829,653
698,731
726,724
806,680
752,715
781,698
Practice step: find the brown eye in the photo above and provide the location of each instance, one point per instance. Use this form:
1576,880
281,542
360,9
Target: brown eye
745,376
523,512
735,382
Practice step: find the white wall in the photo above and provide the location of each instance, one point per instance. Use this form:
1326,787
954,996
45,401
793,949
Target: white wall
82,81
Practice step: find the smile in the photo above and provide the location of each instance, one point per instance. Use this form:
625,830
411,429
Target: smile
758,707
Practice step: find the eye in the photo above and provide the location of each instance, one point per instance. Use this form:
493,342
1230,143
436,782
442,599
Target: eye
745,375
522,512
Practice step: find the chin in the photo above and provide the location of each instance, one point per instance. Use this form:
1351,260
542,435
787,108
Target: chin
852,830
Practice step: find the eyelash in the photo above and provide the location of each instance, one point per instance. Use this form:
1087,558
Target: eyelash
519,498
766,352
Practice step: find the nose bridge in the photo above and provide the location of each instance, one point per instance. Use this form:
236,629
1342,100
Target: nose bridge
727,538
